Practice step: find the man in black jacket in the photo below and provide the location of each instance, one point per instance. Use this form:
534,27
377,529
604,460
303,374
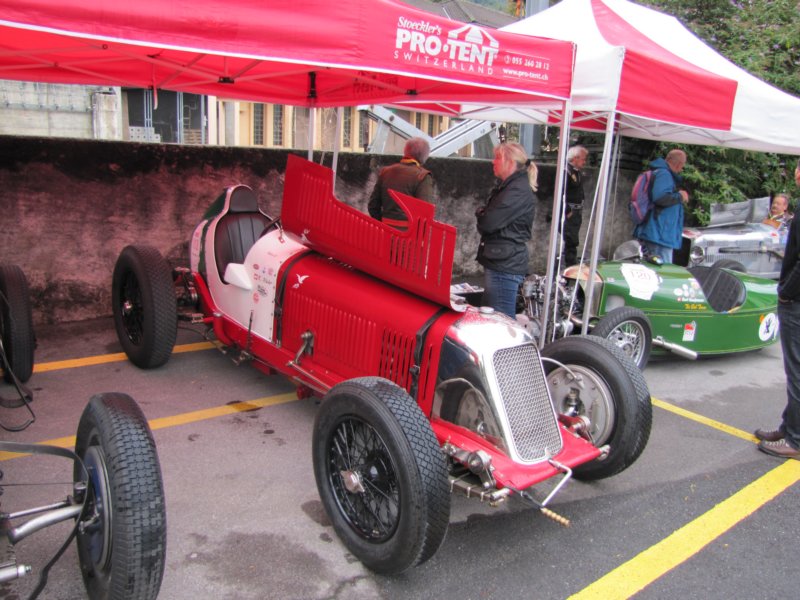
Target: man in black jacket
573,205
785,441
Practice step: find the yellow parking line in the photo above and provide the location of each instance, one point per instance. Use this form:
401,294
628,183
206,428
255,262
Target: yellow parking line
180,419
109,358
643,569
639,572
704,420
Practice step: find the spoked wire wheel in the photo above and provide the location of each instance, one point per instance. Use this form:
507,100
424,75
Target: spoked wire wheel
629,329
363,479
381,474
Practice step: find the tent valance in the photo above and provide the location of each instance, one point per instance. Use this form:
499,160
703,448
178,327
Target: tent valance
312,53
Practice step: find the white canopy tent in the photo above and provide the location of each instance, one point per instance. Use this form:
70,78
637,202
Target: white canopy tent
640,73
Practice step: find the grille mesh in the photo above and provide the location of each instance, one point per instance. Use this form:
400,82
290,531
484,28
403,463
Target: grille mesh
523,391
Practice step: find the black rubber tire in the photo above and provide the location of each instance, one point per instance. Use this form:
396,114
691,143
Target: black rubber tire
382,428
629,429
618,325
731,265
16,323
122,556
144,306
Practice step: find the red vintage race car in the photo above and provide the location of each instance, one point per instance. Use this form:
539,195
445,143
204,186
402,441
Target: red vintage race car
422,395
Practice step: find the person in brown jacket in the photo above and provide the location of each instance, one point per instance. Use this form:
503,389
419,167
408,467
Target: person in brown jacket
408,177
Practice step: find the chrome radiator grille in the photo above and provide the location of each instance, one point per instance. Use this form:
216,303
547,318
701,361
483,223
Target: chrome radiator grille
523,391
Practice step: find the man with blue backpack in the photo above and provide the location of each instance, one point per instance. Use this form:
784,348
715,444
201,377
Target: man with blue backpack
661,228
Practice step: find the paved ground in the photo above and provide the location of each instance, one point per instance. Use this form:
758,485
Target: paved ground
701,514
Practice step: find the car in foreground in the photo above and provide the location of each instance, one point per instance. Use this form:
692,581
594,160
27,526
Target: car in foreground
640,306
422,395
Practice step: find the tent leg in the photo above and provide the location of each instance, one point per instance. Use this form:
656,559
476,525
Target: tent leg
558,200
602,197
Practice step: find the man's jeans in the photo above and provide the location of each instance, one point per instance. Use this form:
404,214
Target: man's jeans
789,316
652,249
500,291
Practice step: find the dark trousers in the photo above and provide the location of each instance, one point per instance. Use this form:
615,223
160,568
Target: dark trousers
789,317
571,229
500,291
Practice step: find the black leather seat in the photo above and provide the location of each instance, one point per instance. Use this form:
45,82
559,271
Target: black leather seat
723,290
238,229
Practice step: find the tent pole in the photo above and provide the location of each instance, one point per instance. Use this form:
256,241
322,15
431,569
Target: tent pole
558,199
336,137
602,198
312,131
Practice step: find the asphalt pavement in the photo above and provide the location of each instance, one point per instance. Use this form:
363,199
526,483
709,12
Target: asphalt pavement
702,513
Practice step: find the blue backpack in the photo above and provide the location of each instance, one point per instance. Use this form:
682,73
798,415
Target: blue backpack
641,201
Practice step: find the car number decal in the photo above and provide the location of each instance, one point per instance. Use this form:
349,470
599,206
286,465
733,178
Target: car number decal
642,281
689,329
768,329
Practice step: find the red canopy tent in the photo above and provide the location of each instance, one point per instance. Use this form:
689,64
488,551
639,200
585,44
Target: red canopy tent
315,53
311,53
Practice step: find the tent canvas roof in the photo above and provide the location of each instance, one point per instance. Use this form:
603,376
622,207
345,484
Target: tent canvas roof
313,53
661,81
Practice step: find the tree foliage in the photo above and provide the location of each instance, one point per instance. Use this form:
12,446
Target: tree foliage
762,37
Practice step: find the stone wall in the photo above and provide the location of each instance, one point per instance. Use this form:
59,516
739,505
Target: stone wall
70,206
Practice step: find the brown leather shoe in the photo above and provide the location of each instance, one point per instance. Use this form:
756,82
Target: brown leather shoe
781,448
768,435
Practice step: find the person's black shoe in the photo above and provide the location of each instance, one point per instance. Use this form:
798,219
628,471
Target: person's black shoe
781,449
768,435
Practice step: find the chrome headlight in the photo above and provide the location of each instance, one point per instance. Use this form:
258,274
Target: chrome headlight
697,255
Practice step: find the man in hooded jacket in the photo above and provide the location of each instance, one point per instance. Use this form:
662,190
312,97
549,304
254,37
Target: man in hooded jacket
662,230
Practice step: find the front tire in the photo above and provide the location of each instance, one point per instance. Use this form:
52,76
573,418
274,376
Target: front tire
144,306
630,330
381,474
16,323
612,393
122,541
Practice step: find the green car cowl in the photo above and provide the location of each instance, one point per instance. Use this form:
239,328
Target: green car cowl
706,309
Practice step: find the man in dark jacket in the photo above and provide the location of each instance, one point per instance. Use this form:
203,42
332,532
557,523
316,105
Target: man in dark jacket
662,230
407,177
573,208
785,440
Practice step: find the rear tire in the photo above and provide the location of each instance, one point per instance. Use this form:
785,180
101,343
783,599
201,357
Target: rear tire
122,546
731,265
381,474
613,395
144,306
630,330
16,323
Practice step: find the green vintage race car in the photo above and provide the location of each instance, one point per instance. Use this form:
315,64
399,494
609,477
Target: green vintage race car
639,305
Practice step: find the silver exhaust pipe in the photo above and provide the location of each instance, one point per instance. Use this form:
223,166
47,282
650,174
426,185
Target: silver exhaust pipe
675,348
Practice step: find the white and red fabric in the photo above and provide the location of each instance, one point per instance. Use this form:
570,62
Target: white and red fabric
311,53
658,80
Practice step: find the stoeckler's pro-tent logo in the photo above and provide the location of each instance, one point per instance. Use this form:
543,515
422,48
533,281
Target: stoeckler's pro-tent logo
468,48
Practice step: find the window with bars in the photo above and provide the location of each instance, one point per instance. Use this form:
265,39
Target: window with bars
418,121
277,125
258,124
431,120
363,130
347,127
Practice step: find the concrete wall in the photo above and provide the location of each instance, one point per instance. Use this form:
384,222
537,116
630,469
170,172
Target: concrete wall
69,207
60,110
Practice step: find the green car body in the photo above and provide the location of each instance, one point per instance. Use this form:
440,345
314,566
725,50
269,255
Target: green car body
706,310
